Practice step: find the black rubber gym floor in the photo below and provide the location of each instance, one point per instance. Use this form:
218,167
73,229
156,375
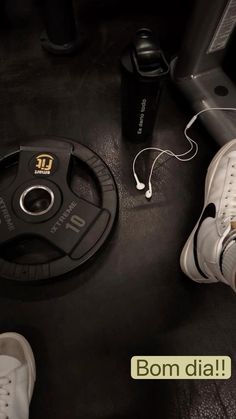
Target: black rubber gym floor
132,298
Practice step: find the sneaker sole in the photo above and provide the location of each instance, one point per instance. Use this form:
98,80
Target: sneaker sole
29,356
187,261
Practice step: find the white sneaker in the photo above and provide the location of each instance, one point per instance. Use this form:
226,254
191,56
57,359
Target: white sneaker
210,252
17,376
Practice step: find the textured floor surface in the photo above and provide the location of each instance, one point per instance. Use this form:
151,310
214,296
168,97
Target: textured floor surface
132,298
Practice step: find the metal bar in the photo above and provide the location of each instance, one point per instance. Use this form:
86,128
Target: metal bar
59,21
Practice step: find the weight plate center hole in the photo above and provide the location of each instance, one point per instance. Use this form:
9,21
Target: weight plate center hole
37,200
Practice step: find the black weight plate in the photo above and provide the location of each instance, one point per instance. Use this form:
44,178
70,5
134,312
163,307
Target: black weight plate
58,204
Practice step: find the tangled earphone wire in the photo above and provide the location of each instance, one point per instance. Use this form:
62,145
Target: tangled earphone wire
181,157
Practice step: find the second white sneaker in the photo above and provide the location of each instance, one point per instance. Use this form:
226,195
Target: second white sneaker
17,376
209,254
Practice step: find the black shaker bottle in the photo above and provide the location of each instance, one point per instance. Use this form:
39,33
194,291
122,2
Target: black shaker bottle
143,66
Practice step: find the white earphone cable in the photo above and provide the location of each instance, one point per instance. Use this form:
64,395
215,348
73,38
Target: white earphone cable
180,157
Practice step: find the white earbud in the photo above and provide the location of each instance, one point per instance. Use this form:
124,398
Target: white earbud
140,186
148,194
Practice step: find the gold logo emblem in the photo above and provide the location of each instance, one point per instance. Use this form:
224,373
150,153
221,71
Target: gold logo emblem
44,162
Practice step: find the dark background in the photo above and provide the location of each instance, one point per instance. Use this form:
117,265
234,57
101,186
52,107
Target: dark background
132,298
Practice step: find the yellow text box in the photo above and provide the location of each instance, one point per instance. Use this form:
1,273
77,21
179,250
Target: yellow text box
180,367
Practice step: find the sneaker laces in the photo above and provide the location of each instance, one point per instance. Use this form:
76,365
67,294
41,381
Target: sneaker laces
229,211
4,392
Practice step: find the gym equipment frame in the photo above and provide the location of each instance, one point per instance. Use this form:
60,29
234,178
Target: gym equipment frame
198,70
